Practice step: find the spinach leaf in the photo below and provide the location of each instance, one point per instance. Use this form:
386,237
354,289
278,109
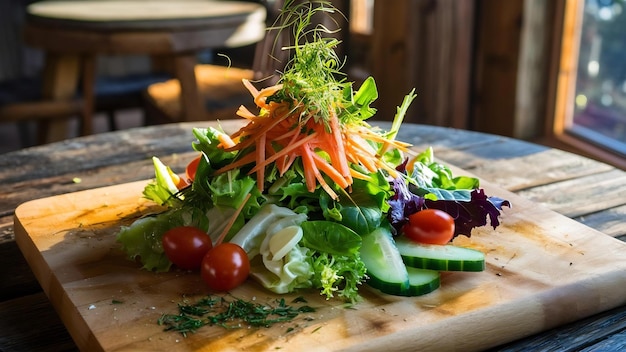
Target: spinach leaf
330,237
363,210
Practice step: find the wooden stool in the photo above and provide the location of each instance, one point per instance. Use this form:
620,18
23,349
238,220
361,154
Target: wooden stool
221,92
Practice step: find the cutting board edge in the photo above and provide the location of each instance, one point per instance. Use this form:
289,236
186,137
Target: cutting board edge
493,334
91,340
103,189
54,290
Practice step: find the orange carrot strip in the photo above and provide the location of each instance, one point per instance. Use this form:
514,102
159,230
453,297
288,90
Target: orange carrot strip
293,134
259,99
285,162
258,122
360,143
260,157
359,175
325,186
246,159
245,113
225,140
251,88
329,170
363,155
231,221
311,172
367,161
339,152
265,126
383,165
380,139
309,167
286,150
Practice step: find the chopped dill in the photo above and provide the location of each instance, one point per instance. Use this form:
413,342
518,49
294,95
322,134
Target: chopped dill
233,314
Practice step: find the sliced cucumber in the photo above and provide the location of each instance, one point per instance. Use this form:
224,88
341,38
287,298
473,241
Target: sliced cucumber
422,281
383,262
439,257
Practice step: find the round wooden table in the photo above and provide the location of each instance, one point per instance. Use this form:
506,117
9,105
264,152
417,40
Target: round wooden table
589,192
74,33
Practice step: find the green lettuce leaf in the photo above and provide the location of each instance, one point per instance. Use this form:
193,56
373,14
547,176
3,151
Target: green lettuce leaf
338,274
335,259
207,142
162,189
143,238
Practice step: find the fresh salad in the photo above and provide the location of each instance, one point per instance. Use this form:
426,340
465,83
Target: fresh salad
309,195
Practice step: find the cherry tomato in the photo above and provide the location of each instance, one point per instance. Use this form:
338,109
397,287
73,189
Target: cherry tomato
225,267
192,167
185,246
430,226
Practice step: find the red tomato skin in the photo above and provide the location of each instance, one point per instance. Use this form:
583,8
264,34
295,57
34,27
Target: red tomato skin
430,226
192,167
185,246
225,267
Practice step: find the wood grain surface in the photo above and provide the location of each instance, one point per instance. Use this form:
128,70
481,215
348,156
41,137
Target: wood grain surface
30,322
543,270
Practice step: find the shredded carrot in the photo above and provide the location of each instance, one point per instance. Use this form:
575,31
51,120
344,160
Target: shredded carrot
260,155
231,221
312,173
366,161
380,139
257,127
285,162
245,113
309,167
322,165
392,171
284,132
225,141
259,99
244,160
339,152
251,88
359,175
284,151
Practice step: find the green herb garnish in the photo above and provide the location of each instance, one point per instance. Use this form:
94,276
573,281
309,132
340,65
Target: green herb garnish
233,314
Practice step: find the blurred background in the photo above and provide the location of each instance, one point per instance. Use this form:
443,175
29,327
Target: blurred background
552,72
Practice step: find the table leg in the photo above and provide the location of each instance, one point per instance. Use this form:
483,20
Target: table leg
191,104
60,82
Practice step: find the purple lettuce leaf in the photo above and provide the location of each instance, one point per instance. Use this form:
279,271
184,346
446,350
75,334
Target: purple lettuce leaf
478,211
402,203
475,213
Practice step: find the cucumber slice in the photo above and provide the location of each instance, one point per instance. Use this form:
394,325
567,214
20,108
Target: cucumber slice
439,257
422,281
383,262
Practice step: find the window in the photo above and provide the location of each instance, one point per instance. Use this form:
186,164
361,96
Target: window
591,96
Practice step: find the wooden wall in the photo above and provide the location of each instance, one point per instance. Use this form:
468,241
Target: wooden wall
475,64
426,45
512,59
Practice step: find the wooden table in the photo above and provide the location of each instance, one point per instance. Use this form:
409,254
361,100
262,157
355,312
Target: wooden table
74,33
590,192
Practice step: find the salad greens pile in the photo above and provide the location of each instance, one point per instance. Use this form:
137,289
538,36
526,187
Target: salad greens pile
265,194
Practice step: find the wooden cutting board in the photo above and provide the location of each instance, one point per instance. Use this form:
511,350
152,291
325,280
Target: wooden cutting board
543,270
